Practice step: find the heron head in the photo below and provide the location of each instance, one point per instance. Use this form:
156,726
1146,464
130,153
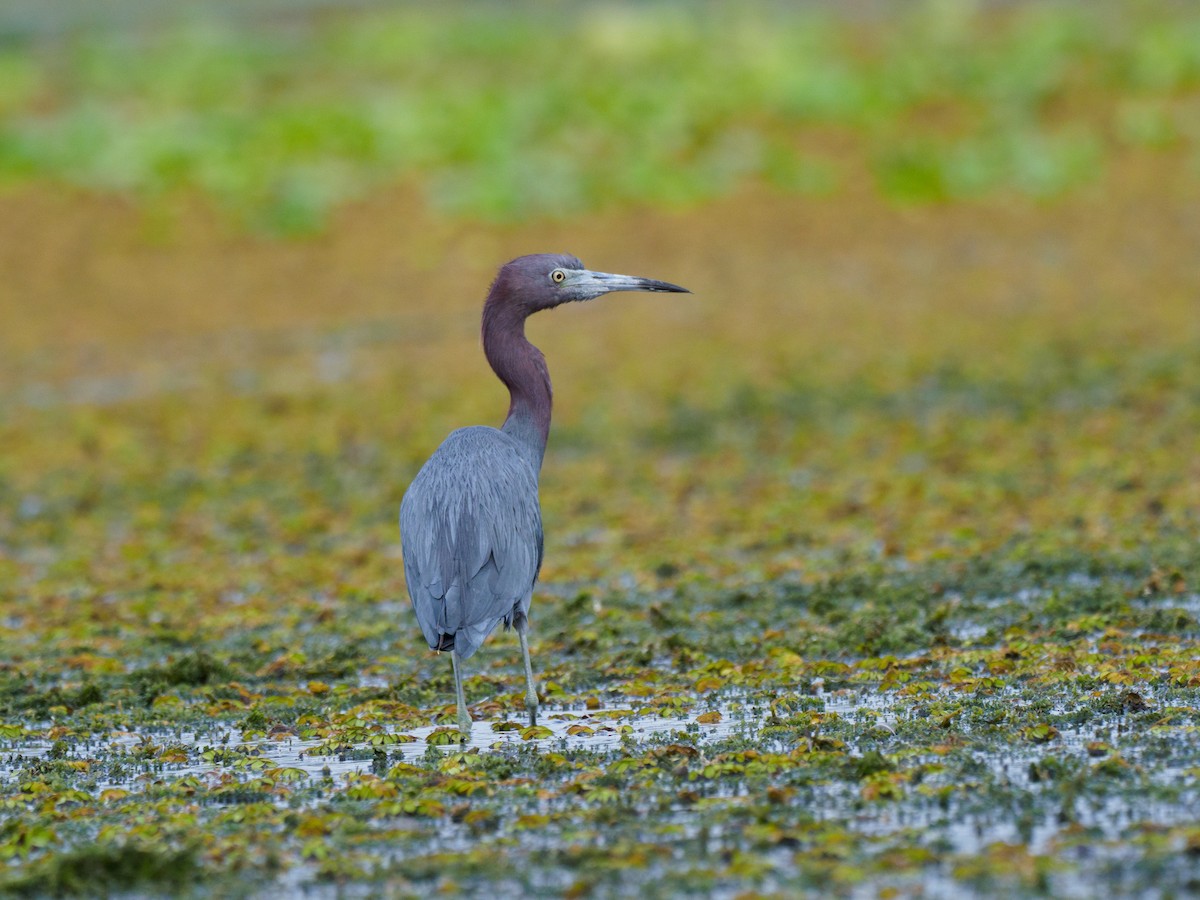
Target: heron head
545,280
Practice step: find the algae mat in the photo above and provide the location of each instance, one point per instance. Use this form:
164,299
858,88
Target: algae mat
871,568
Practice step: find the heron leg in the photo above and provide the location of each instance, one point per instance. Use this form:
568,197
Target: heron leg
531,700
464,717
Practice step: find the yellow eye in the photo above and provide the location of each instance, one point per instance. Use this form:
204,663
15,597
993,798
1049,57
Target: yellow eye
558,276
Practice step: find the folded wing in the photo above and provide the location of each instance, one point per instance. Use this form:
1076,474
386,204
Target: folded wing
471,533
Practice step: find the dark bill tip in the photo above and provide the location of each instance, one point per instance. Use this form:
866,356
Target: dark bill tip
662,287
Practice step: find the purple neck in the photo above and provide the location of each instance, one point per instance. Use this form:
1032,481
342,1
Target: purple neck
522,368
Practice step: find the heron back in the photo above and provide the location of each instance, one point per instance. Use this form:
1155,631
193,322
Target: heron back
471,534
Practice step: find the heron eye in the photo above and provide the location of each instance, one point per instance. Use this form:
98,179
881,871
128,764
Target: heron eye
558,276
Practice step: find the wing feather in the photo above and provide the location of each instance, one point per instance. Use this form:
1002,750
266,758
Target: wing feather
471,534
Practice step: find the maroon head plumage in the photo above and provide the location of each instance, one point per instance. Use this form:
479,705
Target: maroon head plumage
526,285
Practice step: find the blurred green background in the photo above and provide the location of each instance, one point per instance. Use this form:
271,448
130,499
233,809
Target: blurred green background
280,113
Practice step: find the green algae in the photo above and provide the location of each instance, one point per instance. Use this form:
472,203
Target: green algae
980,763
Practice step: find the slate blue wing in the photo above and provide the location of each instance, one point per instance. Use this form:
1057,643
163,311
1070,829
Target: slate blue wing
471,533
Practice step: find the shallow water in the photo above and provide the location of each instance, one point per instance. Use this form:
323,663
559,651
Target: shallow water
622,730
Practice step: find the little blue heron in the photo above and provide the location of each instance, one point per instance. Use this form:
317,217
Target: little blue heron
470,524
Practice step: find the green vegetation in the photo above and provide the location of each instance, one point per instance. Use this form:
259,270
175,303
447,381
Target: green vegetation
504,113
871,567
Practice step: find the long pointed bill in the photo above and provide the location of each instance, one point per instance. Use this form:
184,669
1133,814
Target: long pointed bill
597,283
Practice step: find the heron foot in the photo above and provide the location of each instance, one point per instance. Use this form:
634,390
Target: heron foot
531,699
464,717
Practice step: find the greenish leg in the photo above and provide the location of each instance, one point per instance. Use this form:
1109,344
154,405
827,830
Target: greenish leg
464,717
531,700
